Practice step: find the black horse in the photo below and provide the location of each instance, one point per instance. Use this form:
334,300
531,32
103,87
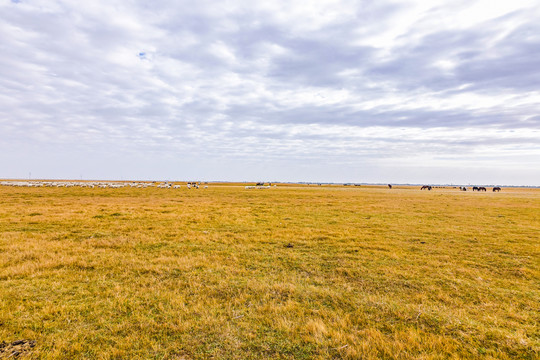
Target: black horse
428,187
389,186
496,188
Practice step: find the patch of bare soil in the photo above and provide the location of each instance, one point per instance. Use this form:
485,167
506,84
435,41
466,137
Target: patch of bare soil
16,349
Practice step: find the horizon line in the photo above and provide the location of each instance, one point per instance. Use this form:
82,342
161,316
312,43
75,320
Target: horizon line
344,183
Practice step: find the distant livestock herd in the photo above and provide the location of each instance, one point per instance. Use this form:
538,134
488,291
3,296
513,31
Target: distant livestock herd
116,185
462,188
171,185
101,184
259,185
480,188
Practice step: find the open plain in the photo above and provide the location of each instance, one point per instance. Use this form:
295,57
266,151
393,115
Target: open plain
289,272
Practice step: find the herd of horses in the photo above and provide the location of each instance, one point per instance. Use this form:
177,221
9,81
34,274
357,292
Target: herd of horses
462,188
481,188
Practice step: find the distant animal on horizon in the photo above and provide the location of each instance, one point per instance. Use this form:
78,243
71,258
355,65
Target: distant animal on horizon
193,184
478,188
389,186
425,187
496,188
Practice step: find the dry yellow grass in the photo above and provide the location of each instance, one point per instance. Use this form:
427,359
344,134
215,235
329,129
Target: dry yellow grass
370,273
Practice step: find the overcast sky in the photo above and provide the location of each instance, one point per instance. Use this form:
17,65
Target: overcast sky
339,91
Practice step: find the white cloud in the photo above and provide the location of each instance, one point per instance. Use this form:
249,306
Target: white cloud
301,84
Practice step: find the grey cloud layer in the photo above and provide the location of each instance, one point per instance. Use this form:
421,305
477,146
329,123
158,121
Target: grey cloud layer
283,79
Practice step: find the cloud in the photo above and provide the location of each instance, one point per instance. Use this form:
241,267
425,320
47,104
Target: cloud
348,82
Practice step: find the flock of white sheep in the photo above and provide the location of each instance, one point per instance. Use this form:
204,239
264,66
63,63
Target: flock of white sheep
98,184
112,184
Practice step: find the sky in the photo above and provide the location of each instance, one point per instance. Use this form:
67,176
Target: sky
442,92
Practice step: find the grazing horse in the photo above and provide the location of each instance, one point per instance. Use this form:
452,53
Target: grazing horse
463,188
425,187
496,188
475,188
389,186
481,188
260,184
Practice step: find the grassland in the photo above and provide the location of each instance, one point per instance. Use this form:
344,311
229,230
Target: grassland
282,273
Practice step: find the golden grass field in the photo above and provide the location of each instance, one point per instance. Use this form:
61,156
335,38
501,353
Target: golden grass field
370,273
